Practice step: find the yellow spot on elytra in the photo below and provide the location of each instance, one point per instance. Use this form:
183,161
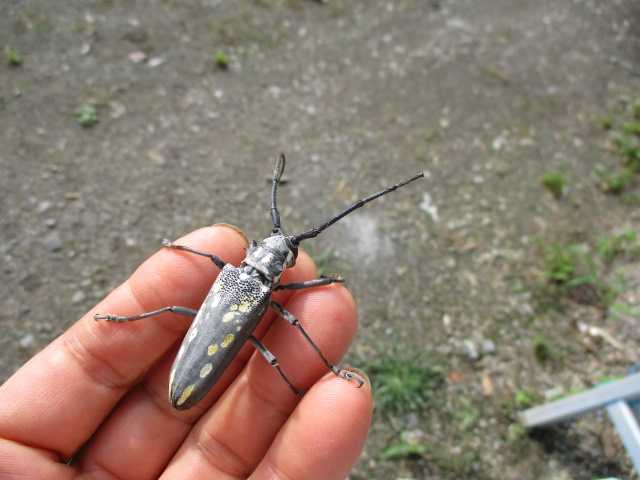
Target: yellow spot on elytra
233,307
212,349
206,370
186,393
227,317
226,341
244,306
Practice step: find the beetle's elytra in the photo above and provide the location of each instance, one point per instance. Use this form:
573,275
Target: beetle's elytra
236,303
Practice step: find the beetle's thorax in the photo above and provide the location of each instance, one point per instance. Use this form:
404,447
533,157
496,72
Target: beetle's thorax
270,256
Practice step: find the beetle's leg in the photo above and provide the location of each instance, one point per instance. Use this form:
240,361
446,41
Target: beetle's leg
316,282
188,312
340,372
214,258
273,361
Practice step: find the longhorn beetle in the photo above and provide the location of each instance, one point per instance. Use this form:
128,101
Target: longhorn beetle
237,301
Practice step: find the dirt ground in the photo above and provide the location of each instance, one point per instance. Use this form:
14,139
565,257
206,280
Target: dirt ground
485,96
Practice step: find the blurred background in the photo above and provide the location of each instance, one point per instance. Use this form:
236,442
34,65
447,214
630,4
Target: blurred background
508,277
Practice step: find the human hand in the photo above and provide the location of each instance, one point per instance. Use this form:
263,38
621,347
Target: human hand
98,394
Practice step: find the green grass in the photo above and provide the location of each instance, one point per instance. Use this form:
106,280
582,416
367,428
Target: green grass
13,57
86,116
524,399
512,404
631,198
606,122
613,246
625,140
635,110
629,147
544,349
562,262
621,309
404,382
575,272
516,433
460,465
222,60
466,415
570,265
555,182
404,448
616,181
632,127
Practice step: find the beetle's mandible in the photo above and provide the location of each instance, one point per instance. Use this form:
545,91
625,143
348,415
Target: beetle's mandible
237,301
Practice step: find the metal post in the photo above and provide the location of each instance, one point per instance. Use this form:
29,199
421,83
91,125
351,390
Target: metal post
627,388
620,398
626,424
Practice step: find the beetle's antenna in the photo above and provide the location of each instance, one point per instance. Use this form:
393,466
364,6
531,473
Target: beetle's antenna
278,170
314,231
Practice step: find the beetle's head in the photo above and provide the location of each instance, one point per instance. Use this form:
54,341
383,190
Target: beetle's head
272,255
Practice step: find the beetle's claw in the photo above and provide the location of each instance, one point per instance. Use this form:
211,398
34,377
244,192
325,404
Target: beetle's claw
335,278
352,377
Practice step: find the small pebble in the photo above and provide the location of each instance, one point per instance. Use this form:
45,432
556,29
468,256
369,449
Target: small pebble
414,437
44,206
429,208
156,62
53,242
117,109
51,222
137,57
470,350
27,341
78,297
488,347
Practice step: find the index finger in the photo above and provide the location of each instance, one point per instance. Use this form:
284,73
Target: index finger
72,385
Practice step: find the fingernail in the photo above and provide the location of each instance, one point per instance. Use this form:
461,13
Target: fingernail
233,227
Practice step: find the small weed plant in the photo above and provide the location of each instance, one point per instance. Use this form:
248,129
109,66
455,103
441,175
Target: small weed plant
405,382
86,116
555,182
13,57
626,143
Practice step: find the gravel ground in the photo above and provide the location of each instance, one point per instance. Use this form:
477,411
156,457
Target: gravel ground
485,96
